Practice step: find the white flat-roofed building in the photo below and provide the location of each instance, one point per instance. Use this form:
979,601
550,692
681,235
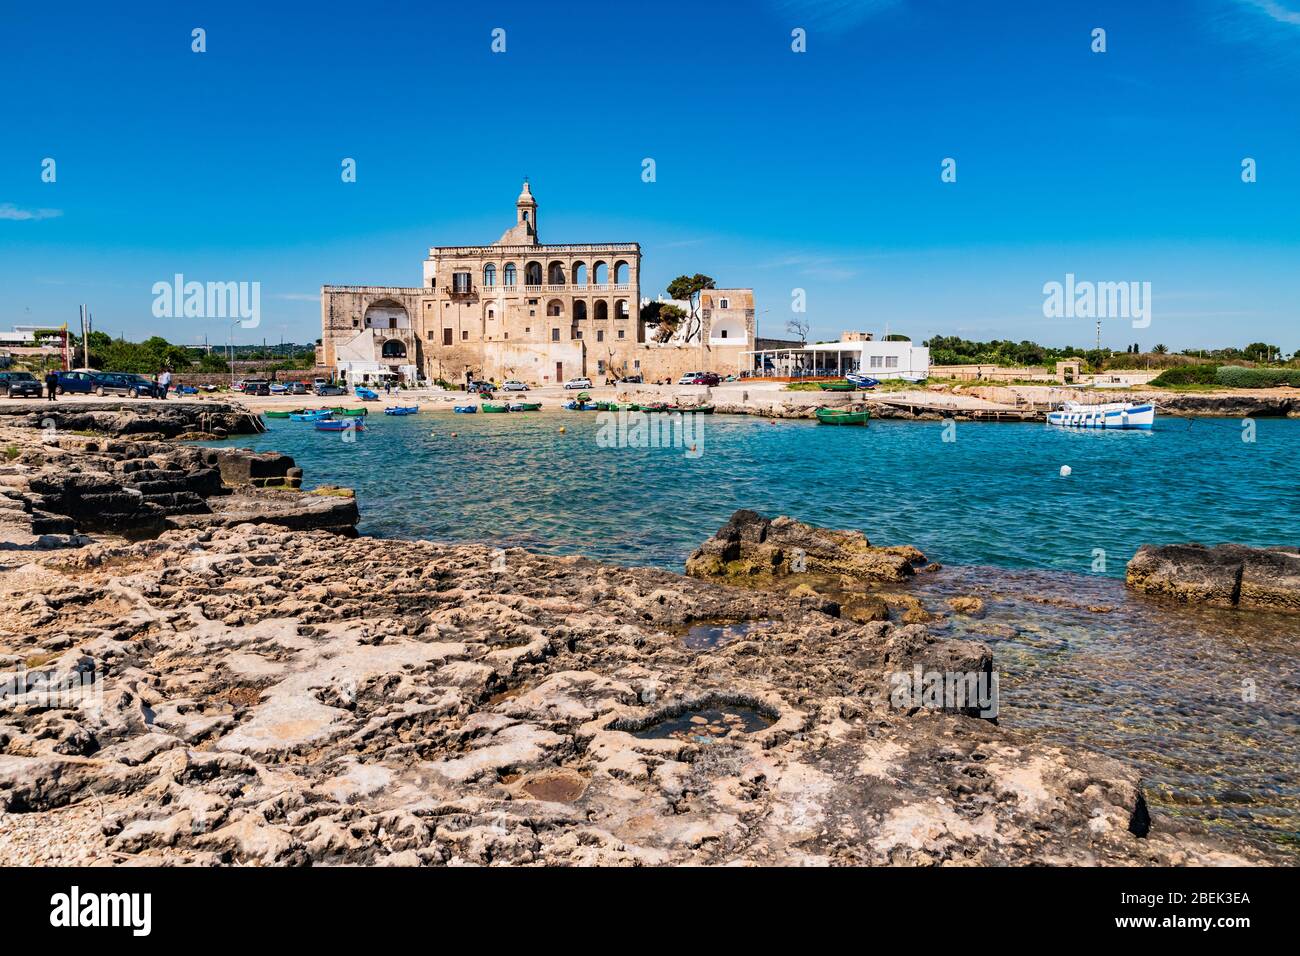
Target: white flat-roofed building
882,360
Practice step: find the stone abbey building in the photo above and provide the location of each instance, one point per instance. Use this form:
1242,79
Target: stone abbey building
522,309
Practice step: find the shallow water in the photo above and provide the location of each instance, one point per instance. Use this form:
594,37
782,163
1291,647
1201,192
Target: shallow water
1162,689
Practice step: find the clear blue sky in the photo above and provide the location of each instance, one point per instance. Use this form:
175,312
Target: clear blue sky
775,170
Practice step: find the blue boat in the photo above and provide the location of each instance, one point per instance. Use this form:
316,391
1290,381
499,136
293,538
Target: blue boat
365,394
402,410
321,414
329,425
466,409
858,380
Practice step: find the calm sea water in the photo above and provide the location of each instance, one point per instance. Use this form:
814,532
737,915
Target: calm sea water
1082,661
992,496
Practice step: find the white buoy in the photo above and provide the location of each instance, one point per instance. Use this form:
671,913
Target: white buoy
1065,471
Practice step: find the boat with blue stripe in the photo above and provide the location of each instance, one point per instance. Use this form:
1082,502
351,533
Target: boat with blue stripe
1125,415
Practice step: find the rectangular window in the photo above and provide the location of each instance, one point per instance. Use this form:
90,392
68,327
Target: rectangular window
600,335
875,361
576,333
724,303
446,336
636,363
464,335
555,335
392,322
460,282
891,361
620,333
600,367
429,335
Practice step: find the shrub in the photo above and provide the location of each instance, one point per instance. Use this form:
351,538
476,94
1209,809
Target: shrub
1187,375
1236,376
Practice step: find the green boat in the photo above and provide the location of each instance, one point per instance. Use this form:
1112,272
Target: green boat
296,411
527,406
492,409
836,386
830,416
354,412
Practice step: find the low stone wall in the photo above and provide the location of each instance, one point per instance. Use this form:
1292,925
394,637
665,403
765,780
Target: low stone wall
139,417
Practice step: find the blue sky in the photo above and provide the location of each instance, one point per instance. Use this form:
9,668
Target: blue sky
776,170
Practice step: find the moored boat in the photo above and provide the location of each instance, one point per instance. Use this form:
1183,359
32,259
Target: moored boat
494,409
1123,415
316,415
859,381
350,411
402,410
833,416
844,386
330,425
525,406
296,411
465,409
365,394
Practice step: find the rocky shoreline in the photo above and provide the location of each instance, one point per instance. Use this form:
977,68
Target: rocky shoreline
251,683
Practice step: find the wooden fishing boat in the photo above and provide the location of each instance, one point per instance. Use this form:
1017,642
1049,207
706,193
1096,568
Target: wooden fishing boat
296,411
525,406
350,411
845,386
365,394
330,425
697,409
402,410
316,415
465,409
494,409
860,381
833,416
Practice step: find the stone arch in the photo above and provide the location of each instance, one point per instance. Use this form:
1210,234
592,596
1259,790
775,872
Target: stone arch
580,273
394,349
533,273
599,273
555,273
620,309
387,314
602,310
489,275
555,308
579,310
508,275
621,272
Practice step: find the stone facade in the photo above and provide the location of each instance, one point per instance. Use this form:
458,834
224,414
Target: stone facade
522,309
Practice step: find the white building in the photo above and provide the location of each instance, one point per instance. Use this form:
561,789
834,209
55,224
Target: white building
882,360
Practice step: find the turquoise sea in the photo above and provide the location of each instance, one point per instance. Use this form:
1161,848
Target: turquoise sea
993,495
1205,703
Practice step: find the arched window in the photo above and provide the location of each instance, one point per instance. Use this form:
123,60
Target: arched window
555,307
489,276
580,274
533,273
602,310
555,273
579,311
620,309
510,275
599,273
394,349
620,273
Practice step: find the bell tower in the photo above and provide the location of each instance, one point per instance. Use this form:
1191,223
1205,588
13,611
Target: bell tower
526,210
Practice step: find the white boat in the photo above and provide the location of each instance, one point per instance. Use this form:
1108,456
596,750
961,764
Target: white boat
1107,415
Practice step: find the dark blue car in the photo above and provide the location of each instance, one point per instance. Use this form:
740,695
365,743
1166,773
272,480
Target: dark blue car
76,382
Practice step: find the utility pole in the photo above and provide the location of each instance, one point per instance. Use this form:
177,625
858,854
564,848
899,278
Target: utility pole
1099,333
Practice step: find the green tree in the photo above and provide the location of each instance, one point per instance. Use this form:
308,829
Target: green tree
687,289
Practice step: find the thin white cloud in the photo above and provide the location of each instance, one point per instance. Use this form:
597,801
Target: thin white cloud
11,212
1278,11
298,296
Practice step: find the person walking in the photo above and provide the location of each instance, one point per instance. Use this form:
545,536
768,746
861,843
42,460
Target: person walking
52,385
165,382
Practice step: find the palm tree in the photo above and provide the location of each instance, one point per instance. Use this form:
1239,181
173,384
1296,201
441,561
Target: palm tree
1160,349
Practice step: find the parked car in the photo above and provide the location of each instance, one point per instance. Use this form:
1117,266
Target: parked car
479,387
76,382
257,386
699,378
124,383
20,385
297,388
325,388
578,383
514,386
